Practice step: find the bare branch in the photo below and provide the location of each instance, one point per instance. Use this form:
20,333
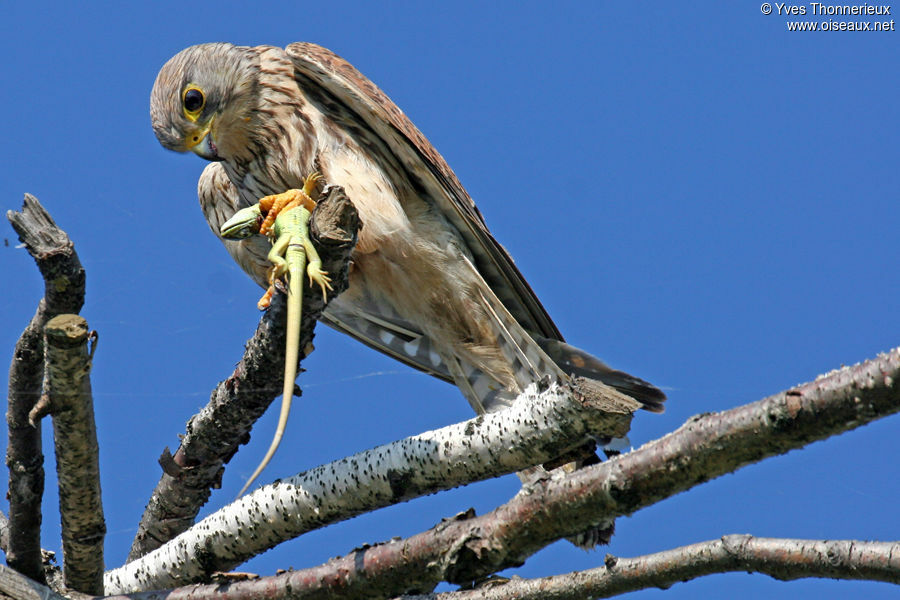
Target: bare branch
535,429
64,281
214,434
705,447
783,559
18,586
468,548
780,558
77,453
4,533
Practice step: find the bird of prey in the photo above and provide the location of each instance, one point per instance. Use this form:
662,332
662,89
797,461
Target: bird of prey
429,284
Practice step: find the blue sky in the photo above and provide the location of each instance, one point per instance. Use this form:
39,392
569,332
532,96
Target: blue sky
696,194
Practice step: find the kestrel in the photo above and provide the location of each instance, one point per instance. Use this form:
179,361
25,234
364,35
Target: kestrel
429,284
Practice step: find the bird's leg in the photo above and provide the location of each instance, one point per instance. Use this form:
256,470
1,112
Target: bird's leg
279,268
266,299
274,205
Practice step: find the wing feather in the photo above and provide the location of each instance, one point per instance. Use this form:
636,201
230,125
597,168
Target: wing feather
366,322
358,94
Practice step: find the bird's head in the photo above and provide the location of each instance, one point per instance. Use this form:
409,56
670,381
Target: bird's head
203,100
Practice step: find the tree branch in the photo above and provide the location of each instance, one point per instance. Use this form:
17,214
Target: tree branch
216,432
468,548
64,281
779,558
18,586
77,453
535,429
783,559
705,447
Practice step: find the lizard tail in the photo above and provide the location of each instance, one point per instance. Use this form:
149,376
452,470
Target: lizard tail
291,358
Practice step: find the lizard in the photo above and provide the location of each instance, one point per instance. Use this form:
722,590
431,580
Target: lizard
284,218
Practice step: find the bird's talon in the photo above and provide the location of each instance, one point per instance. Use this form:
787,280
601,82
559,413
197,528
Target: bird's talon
266,299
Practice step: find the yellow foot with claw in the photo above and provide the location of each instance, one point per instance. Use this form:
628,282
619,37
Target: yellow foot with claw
272,206
266,299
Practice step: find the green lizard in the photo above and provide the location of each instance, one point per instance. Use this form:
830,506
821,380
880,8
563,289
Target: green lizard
285,219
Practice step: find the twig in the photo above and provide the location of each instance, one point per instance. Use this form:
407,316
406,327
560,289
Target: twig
77,453
536,428
214,434
64,280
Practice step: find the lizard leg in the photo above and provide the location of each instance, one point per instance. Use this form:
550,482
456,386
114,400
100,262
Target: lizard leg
276,257
279,268
294,258
314,268
309,186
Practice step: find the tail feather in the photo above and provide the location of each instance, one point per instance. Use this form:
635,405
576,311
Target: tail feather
483,393
528,362
575,361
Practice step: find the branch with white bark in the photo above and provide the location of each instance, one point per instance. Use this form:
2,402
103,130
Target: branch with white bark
469,548
538,427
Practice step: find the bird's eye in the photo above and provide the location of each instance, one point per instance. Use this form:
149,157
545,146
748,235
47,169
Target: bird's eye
193,101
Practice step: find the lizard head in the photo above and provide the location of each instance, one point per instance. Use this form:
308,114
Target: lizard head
242,224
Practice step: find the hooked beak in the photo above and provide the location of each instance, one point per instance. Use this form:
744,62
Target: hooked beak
202,144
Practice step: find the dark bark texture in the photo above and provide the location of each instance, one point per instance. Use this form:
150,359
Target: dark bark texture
77,453
64,284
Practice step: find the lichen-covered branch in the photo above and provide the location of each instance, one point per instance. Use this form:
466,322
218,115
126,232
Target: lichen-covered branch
216,432
77,454
467,548
783,559
64,281
538,427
